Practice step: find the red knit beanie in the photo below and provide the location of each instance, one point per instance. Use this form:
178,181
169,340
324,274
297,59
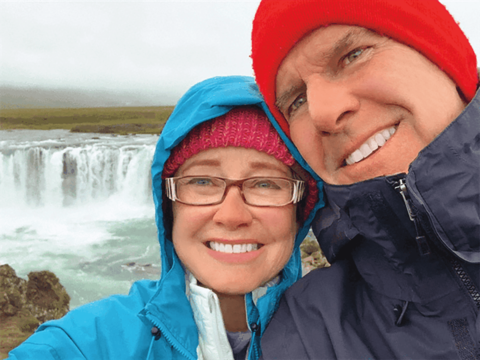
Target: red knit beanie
247,127
424,25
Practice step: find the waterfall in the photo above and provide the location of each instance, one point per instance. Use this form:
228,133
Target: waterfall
39,175
79,205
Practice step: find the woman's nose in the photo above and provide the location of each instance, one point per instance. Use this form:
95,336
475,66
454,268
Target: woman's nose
330,104
233,212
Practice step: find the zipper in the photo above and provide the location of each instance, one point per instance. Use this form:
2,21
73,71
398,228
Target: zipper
422,243
168,338
255,329
401,187
466,281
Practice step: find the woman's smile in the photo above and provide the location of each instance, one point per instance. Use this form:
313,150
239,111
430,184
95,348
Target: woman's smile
235,253
233,248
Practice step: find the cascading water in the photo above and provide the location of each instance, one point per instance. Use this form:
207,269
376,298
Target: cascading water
79,205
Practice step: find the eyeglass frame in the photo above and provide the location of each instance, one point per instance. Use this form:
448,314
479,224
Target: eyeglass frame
297,196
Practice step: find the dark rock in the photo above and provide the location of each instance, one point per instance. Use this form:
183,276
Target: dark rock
28,324
12,291
24,305
47,299
309,246
312,255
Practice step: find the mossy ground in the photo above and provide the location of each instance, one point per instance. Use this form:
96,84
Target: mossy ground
10,334
113,120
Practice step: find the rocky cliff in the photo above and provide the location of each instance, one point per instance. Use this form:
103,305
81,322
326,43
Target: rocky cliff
25,304
312,255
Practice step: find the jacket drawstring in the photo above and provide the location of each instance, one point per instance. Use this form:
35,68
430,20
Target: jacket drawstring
402,310
156,334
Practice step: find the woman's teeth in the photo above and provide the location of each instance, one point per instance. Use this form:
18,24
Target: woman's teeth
233,249
372,144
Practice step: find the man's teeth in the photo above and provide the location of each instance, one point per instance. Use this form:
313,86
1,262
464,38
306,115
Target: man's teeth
233,249
372,144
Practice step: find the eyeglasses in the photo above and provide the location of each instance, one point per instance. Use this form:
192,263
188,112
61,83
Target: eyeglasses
256,191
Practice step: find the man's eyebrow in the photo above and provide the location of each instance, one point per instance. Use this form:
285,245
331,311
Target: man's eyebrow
336,50
282,99
342,44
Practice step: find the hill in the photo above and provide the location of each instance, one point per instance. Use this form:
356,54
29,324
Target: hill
33,98
118,120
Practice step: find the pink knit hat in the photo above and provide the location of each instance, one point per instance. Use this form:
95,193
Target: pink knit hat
247,127
424,25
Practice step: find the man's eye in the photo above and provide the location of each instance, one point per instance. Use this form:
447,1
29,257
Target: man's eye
297,103
353,55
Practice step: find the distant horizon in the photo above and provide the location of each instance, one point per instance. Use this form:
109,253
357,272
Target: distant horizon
35,97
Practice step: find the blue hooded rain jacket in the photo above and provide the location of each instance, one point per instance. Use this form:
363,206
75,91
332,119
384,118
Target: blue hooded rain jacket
120,326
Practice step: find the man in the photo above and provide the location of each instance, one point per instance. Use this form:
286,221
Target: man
379,97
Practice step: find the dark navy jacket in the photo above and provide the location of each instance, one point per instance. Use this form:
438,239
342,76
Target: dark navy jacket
405,252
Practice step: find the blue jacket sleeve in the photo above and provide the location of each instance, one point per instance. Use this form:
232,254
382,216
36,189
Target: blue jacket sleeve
51,344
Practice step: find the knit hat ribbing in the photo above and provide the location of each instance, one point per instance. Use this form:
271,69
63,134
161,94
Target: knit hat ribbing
425,25
247,127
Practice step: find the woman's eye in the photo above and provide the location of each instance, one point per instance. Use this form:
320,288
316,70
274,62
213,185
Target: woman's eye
297,103
266,184
200,181
352,56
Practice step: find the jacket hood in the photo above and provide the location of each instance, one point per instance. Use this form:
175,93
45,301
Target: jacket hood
205,101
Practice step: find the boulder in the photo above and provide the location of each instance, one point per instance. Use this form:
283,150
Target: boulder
47,299
12,291
25,304
312,255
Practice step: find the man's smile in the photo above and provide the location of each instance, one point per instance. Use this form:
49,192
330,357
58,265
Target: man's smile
370,146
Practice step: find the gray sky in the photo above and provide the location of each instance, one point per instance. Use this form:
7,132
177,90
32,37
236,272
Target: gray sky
155,47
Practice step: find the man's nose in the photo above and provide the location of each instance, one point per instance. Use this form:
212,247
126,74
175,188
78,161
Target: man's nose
233,212
330,104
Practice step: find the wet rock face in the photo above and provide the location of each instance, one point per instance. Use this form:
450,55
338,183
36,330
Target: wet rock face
42,295
25,304
12,291
312,255
47,299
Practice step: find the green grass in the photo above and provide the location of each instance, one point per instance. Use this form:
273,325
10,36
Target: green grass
10,334
118,120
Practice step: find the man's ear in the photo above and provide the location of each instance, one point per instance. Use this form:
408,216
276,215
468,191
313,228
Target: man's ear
460,91
462,97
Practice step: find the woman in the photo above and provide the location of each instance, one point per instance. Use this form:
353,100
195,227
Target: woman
230,221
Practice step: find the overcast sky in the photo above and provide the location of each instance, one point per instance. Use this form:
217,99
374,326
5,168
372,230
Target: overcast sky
147,47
